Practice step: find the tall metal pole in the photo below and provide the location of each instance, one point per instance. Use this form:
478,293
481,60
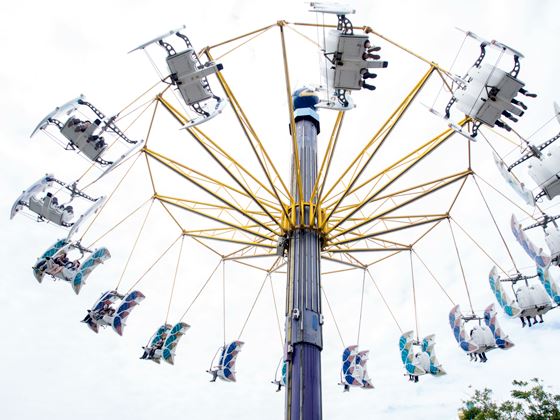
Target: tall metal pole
304,337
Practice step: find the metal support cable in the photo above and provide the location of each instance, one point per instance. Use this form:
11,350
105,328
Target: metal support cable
433,277
136,100
301,34
148,135
253,306
119,223
154,264
518,147
154,65
504,196
224,297
333,317
174,278
385,302
172,216
276,312
414,295
458,194
263,29
461,265
543,126
361,307
146,107
496,225
109,198
480,247
451,68
244,42
135,243
200,291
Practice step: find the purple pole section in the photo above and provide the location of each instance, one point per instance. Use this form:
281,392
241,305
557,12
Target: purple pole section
304,338
306,402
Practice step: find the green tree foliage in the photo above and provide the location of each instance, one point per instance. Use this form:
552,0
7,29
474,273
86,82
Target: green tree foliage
529,401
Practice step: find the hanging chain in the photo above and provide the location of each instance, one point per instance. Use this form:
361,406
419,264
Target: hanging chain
333,317
200,291
384,301
276,312
174,278
154,264
434,277
224,297
496,224
461,265
253,305
361,307
414,296
135,244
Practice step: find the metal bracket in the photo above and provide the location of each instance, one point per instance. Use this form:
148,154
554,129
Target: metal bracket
482,54
199,110
544,222
168,47
56,122
475,128
540,195
103,162
448,107
341,96
97,112
295,313
282,246
345,25
184,38
535,151
74,191
516,66
111,125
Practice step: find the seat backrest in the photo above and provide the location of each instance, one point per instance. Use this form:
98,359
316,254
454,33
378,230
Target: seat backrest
540,298
79,138
552,239
524,297
88,149
54,214
183,63
544,171
67,215
36,204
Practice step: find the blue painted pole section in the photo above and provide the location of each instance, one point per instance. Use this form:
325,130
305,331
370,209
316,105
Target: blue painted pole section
304,337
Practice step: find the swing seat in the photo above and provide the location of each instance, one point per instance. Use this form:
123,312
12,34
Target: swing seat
83,139
552,239
189,77
346,52
487,94
533,300
546,172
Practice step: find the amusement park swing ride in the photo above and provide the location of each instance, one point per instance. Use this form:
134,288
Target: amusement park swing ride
392,195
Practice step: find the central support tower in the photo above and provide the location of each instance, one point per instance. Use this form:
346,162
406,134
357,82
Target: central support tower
304,336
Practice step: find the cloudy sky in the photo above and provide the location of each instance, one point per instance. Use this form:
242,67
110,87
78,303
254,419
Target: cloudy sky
54,366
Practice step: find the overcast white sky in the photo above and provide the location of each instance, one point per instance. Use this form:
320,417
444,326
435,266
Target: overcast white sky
53,366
